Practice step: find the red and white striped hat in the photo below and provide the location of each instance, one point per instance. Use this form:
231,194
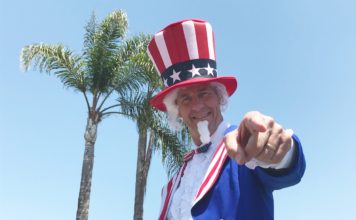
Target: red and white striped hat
184,54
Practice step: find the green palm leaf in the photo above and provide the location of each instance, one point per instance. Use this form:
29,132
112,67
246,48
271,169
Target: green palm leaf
173,145
69,68
100,45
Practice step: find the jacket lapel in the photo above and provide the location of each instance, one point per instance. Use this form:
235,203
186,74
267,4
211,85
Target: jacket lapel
210,178
213,172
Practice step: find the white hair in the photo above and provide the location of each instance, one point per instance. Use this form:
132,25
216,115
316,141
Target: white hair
174,121
169,101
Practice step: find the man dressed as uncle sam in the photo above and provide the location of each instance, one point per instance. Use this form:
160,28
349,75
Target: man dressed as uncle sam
232,171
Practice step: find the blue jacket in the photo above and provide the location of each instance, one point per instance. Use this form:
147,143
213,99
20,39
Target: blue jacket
245,194
235,192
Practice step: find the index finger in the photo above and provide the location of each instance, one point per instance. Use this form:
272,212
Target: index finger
254,122
231,145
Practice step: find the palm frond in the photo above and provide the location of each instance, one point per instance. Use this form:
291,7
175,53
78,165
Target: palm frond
128,79
132,105
144,64
173,145
112,29
131,47
90,30
58,60
146,68
132,74
101,43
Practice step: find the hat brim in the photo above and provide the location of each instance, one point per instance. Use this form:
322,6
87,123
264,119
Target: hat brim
229,82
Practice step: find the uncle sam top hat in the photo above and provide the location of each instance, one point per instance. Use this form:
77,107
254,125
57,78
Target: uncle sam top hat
184,54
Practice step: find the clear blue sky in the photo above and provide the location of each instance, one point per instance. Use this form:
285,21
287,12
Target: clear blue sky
295,60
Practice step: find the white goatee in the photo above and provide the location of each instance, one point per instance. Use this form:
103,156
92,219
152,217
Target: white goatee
203,130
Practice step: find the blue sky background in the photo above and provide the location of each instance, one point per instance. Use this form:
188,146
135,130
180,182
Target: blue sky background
295,60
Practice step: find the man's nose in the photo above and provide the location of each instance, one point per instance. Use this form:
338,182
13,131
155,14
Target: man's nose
197,104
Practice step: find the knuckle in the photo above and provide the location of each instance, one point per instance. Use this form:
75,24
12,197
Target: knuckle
285,138
278,128
269,120
245,119
247,115
279,140
254,112
287,134
251,114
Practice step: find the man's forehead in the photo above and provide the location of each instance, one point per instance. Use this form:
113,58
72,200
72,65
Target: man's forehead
193,88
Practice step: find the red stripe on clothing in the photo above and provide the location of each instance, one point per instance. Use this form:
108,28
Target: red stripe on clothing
152,47
166,201
207,179
216,169
176,44
202,40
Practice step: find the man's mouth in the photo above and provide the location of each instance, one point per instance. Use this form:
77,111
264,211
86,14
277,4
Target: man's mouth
201,117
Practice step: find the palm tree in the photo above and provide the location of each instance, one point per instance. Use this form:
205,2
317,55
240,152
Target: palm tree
112,65
97,73
152,127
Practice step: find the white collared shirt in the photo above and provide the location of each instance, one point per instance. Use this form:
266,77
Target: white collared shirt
194,173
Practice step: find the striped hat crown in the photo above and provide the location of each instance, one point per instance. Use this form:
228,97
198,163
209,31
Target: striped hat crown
184,54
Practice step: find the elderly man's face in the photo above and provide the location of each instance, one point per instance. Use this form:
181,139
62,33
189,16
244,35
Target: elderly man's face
199,103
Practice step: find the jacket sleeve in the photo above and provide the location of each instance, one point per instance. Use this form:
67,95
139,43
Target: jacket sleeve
274,179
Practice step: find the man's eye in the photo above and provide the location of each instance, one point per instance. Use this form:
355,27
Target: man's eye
204,93
184,99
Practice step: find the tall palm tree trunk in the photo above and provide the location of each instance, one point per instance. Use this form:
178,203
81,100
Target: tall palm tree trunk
143,165
87,169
